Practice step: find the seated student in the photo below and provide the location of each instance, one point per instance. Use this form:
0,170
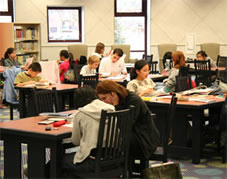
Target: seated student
145,136
114,64
140,84
30,76
99,50
201,55
178,59
85,132
67,62
93,63
10,58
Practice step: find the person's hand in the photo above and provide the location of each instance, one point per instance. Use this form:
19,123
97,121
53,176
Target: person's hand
23,67
146,91
43,81
58,61
30,82
125,73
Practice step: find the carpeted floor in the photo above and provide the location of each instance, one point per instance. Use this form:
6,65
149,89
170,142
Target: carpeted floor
210,167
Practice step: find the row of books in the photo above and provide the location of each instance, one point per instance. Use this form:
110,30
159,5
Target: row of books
22,59
29,33
26,47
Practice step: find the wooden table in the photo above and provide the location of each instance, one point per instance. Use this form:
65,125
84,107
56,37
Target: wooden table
183,109
28,131
63,91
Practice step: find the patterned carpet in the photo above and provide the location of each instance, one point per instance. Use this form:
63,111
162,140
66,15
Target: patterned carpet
210,167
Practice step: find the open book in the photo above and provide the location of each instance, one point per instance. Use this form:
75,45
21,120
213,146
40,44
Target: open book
200,90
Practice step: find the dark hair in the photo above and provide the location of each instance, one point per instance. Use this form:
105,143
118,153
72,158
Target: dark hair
64,53
138,66
108,86
99,47
202,53
178,59
71,60
36,67
8,51
118,51
84,96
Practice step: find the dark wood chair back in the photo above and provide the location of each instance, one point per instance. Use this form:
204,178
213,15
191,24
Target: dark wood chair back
113,140
203,72
77,68
45,101
222,61
89,81
152,64
183,83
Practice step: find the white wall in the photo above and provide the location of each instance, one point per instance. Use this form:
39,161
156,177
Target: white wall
98,24
171,21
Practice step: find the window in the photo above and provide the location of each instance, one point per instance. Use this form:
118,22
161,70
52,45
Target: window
131,25
6,11
64,24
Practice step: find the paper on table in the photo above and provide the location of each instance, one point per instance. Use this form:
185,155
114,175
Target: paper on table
115,77
69,125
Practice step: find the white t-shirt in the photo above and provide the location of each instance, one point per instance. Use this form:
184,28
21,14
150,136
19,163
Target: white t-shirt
107,66
87,71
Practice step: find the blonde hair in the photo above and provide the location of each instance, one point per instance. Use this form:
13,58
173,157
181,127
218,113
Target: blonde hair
93,59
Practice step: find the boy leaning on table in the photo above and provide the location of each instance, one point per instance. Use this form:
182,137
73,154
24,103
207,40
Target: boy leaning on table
29,77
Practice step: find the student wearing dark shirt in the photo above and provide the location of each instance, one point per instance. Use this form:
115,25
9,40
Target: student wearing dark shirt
145,136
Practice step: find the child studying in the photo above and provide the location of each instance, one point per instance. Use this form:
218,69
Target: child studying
29,77
93,63
141,84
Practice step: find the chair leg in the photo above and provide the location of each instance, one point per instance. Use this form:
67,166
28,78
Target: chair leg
11,112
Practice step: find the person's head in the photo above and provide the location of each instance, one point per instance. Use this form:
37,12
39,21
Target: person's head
34,69
93,61
140,70
178,59
64,54
111,92
100,48
10,53
84,96
201,55
117,54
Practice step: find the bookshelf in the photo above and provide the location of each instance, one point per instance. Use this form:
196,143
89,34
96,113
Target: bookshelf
27,41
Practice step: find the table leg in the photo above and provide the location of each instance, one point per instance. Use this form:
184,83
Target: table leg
22,103
56,159
196,135
12,158
36,160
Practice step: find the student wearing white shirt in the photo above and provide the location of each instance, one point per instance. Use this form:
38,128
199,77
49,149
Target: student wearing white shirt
114,64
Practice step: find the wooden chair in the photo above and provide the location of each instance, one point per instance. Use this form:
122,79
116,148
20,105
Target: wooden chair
89,81
203,72
45,101
152,64
77,68
222,61
112,150
162,151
